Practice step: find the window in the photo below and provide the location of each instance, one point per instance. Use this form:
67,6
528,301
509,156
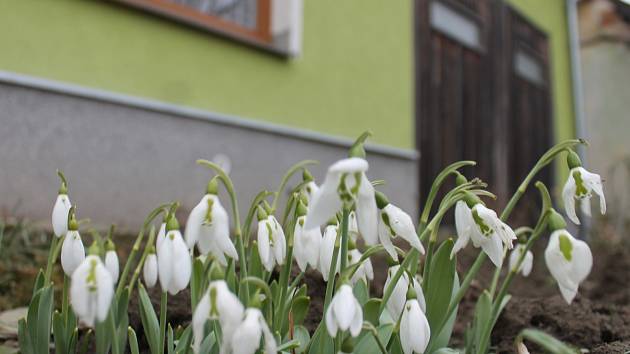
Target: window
274,25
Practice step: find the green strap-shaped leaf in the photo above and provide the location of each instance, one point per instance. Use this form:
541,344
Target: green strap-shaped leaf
300,333
546,341
440,285
26,347
59,334
133,341
196,282
361,292
44,318
184,341
149,319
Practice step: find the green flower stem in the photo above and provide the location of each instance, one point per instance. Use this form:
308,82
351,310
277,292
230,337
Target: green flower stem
163,310
344,241
413,254
136,247
240,246
51,254
285,274
330,285
352,269
145,253
435,187
252,211
285,179
370,327
497,274
64,299
542,162
541,226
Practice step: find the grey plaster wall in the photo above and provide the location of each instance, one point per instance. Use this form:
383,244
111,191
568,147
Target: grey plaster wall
124,156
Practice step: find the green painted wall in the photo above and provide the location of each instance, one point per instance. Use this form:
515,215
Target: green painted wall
550,16
355,72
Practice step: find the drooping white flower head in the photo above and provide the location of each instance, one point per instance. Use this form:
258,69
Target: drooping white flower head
580,186
61,209
112,264
60,215
394,222
414,328
346,182
208,227
150,270
218,303
72,250
174,264
484,228
247,336
569,262
326,249
397,300
528,260
91,291
306,244
272,243
365,272
344,313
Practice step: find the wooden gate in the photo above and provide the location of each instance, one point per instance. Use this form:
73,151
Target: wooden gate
481,92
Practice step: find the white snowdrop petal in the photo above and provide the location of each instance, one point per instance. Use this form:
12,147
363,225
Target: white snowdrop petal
200,316
494,249
349,165
263,241
165,263
195,219
325,202
331,324
357,321
568,197
182,266
112,265
367,212
160,236
385,238
528,262
149,270
246,338
105,292
343,307
60,215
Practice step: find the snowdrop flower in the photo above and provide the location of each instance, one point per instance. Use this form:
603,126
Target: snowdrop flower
61,209
484,228
174,264
72,250
394,222
247,336
569,262
346,184
91,291
397,300
150,269
271,241
111,260
528,261
218,303
365,272
344,313
326,249
580,186
414,328
306,242
208,227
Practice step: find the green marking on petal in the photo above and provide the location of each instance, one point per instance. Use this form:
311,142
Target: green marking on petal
387,223
580,189
91,278
485,229
208,218
270,231
566,247
214,310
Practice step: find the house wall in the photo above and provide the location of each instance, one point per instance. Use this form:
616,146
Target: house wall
123,156
355,72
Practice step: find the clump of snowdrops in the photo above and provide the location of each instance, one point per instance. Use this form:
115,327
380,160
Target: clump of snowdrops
243,292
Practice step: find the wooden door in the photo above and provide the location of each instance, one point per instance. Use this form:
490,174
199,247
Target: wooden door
470,100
